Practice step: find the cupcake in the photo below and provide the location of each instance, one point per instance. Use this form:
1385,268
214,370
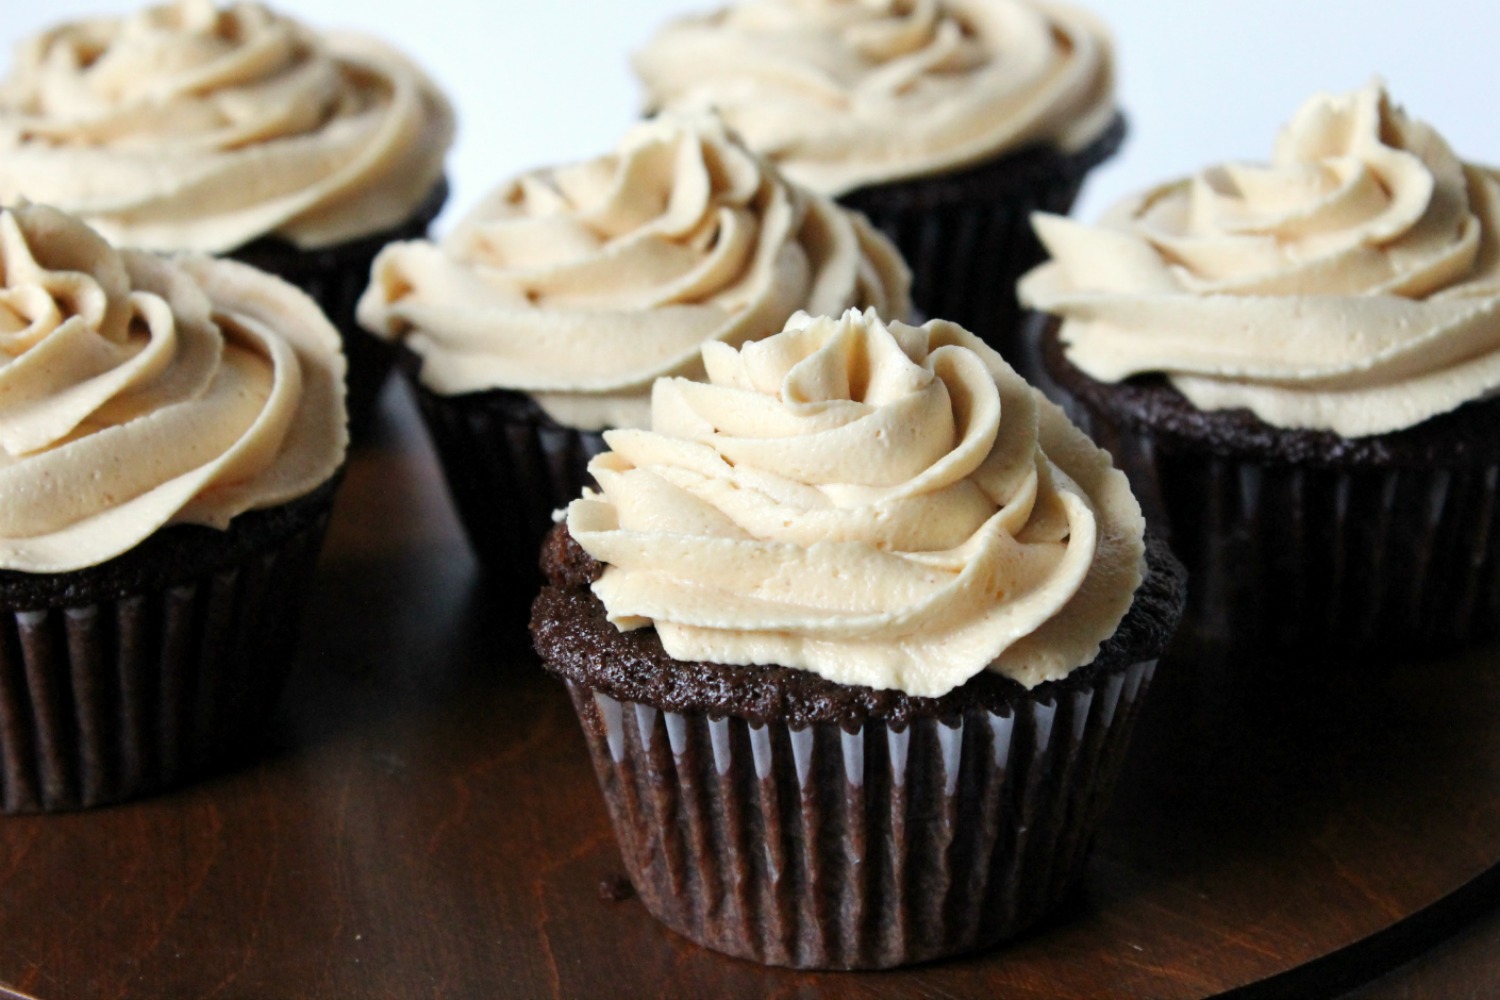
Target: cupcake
857,633
172,430
1297,361
946,122
545,316
233,131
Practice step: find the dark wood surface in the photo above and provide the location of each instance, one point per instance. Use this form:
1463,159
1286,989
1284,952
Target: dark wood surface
425,824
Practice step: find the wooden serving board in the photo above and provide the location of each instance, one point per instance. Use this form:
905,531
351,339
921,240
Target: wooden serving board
426,823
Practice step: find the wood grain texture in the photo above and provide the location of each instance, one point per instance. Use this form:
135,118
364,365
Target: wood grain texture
425,823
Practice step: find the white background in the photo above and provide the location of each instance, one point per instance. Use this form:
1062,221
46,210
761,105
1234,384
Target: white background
1201,80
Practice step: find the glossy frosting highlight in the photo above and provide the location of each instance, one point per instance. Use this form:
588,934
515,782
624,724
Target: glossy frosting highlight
842,95
580,285
883,505
188,126
1352,284
138,391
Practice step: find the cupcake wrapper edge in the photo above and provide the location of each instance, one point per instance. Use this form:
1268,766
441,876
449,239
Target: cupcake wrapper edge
829,848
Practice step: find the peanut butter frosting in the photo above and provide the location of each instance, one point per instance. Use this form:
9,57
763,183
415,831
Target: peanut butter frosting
880,504
846,94
581,285
1352,284
138,391
188,126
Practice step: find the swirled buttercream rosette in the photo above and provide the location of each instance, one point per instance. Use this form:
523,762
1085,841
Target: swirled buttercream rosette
170,431
1350,285
845,95
839,603
946,121
557,302
1323,330
877,504
235,130
189,126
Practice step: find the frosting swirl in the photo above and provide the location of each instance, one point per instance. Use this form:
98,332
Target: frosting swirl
137,391
1351,285
889,506
581,285
191,127
842,94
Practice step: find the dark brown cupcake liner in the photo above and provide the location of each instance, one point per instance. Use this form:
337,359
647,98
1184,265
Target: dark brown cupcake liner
508,466
775,815
1387,545
967,235
864,847
155,668
335,277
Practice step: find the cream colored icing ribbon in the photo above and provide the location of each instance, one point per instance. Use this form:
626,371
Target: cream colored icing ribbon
188,126
880,504
138,391
1352,284
841,95
581,285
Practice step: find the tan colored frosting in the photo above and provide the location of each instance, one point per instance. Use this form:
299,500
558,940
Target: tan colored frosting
843,94
889,506
138,391
1352,285
581,285
192,127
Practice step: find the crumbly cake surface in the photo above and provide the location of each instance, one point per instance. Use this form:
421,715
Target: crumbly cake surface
577,642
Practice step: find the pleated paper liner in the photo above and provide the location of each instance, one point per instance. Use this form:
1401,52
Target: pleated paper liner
1301,540
157,667
967,235
508,466
335,277
826,848
770,814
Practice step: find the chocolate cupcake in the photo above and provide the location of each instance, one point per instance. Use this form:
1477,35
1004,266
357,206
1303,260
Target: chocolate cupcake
1296,361
946,123
233,131
173,430
545,316
856,634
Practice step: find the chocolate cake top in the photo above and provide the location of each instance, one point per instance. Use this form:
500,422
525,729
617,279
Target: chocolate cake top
576,642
